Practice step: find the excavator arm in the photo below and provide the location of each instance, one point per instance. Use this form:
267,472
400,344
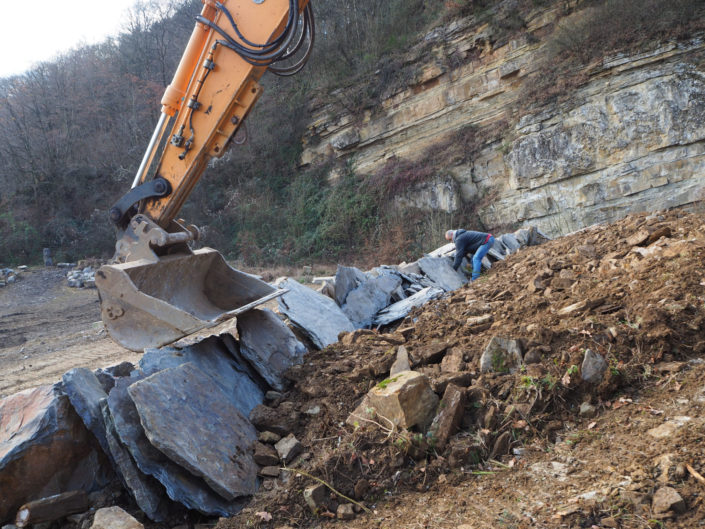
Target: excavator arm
157,290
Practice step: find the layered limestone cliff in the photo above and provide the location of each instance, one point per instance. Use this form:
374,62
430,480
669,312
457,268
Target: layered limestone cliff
631,138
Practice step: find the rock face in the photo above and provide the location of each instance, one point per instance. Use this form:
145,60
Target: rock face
630,139
186,417
44,450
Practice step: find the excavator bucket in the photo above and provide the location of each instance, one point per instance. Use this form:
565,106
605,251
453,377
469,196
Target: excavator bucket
150,304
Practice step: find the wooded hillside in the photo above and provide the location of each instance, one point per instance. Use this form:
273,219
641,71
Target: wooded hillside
72,131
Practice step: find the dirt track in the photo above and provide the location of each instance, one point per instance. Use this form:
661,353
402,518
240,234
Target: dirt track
47,328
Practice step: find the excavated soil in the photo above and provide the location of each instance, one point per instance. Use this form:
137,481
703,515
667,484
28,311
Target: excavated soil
524,455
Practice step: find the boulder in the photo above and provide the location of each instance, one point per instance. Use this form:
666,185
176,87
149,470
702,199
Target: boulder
449,416
318,316
401,363
288,448
269,346
192,422
45,449
501,355
593,368
667,499
406,400
114,518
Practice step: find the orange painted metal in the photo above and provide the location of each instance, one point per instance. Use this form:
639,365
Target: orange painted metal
226,94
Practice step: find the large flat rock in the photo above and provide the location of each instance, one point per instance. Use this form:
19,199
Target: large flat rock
373,294
180,484
213,358
147,492
400,309
318,316
44,450
440,271
193,423
269,346
85,392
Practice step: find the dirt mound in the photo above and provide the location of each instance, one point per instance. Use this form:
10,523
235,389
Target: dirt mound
530,442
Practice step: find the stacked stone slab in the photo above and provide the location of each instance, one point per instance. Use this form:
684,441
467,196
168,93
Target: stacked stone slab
173,430
385,294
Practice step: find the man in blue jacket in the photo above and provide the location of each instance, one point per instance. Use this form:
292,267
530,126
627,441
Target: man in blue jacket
473,243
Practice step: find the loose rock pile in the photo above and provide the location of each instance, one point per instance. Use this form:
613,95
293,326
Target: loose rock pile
8,276
83,278
386,294
467,378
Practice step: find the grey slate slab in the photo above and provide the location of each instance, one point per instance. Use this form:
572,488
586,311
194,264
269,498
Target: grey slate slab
510,242
85,392
191,421
318,316
347,279
440,271
370,297
444,251
214,359
401,308
180,484
268,345
147,491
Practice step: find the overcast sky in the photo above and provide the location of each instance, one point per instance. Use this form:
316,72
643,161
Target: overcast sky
41,29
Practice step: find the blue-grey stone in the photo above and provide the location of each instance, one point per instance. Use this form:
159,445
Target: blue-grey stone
85,393
370,297
214,359
269,346
147,491
402,308
440,271
347,279
192,421
318,316
594,367
180,485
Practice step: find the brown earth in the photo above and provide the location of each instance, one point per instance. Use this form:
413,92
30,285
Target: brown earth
523,456
47,328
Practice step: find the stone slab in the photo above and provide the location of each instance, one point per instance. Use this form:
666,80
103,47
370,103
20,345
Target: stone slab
192,422
440,271
269,346
373,294
402,308
213,358
180,485
318,316
347,279
147,492
85,392
45,449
